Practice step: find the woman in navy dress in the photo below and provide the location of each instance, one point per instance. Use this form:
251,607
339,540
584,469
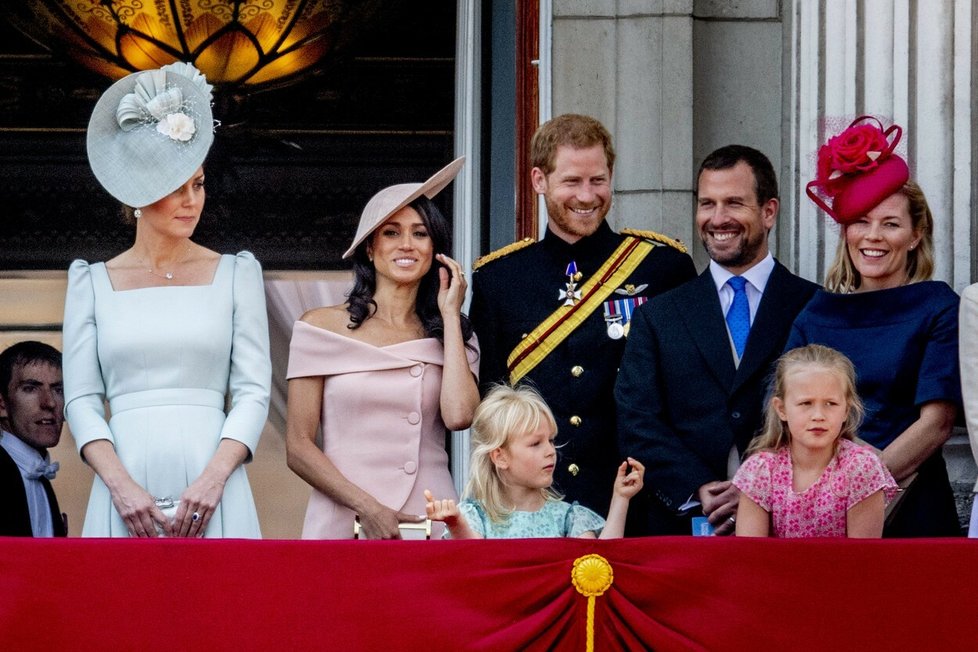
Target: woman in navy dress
881,308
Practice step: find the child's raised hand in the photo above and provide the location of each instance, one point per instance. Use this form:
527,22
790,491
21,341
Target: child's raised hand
628,483
440,510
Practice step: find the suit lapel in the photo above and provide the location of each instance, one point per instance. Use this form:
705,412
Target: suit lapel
57,520
771,323
704,320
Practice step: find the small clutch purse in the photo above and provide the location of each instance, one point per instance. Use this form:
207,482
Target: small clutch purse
408,530
169,508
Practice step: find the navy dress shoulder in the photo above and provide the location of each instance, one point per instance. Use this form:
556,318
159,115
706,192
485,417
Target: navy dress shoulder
904,344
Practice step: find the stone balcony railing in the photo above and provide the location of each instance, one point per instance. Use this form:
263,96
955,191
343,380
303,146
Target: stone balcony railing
962,471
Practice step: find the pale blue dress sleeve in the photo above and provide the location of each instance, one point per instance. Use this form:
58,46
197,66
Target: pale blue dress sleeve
251,366
83,385
473,516
580,519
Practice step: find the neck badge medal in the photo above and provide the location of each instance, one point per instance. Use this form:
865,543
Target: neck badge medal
571,294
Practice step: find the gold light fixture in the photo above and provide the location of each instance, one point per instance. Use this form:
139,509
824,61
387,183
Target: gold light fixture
234,42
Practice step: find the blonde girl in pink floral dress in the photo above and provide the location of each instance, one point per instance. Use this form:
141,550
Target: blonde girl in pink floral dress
806,477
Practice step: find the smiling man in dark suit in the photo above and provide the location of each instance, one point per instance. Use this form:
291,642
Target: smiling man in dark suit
31,414
692,380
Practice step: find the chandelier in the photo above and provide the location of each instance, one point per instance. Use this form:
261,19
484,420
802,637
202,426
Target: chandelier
234,42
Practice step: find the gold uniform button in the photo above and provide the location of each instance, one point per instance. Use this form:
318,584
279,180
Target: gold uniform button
576,371
575,420
573,469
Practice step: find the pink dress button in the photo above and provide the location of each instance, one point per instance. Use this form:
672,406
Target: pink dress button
414,418
410,467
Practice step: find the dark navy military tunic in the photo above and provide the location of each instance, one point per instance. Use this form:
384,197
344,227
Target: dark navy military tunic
515,293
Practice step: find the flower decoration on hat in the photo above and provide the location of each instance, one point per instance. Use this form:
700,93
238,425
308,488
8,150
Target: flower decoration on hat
153,102
857,169
177,125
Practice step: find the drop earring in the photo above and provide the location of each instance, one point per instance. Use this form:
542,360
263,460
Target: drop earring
137,213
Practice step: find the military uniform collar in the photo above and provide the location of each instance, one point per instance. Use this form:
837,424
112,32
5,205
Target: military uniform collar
599,240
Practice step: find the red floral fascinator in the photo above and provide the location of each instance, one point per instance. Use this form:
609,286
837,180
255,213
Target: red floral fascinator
857,169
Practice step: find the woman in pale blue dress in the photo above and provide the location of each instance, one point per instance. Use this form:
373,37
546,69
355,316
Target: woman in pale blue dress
509,494
165,331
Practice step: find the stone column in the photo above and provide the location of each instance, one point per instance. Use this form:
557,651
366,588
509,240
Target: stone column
629,64
672,80
903,61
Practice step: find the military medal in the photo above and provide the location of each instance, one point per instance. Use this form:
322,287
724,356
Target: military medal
615,330
571,295
618,314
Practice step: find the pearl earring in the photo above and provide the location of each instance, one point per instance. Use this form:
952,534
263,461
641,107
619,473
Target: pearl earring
137,213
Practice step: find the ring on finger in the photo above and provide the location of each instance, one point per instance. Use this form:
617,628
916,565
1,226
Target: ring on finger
195,517
732,520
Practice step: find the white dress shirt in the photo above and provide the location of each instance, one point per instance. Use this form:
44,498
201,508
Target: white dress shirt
757,277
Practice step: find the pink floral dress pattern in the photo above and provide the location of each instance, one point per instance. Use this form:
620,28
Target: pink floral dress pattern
854,474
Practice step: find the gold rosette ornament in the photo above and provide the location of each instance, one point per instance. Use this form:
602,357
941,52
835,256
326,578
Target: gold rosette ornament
591,576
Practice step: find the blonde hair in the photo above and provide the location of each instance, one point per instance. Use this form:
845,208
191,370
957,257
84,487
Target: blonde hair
505,412
843,275
775,433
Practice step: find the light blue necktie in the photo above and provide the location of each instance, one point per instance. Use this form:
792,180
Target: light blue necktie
738,317
44,469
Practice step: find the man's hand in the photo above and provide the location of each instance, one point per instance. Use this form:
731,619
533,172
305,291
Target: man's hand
719,500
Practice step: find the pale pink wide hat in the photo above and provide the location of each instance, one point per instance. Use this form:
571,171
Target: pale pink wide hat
393,198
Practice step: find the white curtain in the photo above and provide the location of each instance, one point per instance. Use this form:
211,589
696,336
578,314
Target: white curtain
287,300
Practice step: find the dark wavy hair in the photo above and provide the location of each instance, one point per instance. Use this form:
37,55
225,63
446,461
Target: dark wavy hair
361,304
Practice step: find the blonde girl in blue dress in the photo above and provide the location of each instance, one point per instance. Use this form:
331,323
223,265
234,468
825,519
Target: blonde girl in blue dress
509,494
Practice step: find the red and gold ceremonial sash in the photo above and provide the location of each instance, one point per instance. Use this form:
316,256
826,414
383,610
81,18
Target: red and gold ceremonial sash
546,337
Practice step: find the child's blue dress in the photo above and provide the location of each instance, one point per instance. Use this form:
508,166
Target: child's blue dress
555,519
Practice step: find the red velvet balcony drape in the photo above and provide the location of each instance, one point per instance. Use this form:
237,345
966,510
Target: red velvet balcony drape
667,594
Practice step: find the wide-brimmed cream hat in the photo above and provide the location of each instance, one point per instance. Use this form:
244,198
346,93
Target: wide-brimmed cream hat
393,198
149,132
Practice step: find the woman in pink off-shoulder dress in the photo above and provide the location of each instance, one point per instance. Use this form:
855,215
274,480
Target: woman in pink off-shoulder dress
385,373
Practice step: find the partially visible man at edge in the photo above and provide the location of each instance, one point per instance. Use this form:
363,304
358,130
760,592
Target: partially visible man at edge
32,415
